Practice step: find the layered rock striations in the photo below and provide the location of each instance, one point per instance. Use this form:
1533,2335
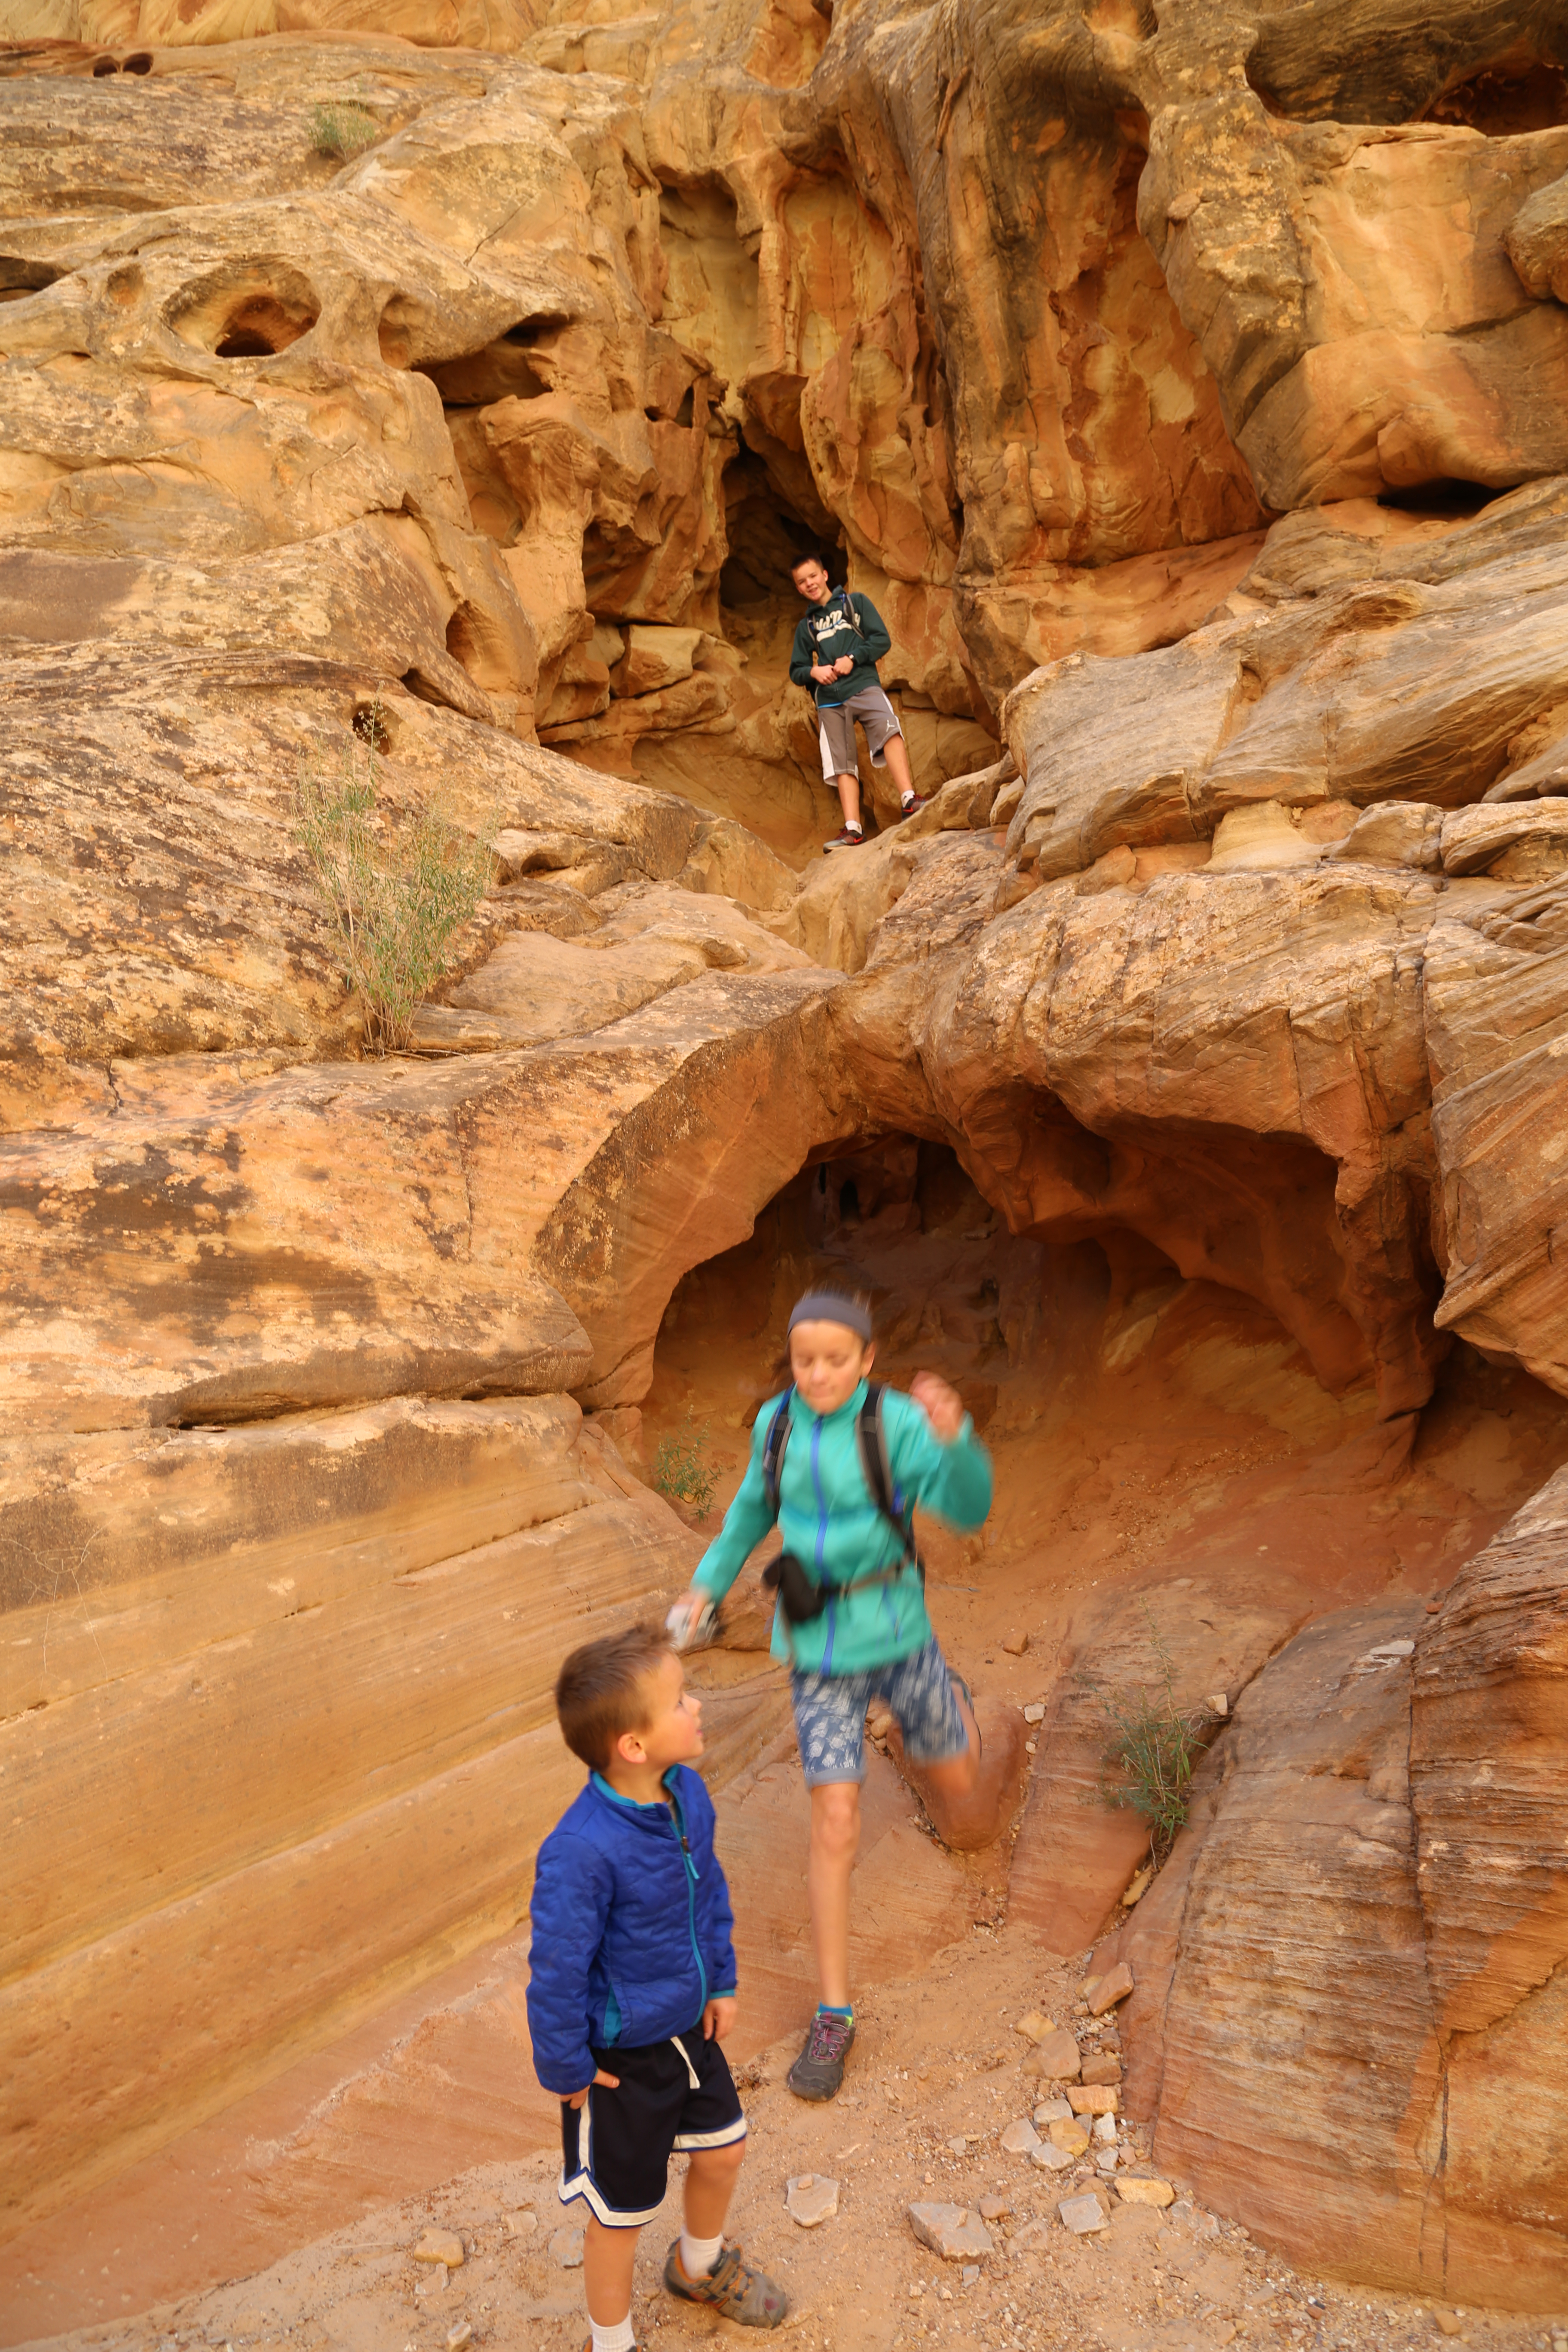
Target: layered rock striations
442,401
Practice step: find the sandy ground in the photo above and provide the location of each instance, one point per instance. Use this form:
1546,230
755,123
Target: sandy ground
938,2061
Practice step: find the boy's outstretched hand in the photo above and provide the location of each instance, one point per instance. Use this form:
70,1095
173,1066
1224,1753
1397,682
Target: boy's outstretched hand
610,2082
718,2018
940,1403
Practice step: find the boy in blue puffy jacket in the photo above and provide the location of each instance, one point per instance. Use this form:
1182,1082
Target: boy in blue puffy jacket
633,1988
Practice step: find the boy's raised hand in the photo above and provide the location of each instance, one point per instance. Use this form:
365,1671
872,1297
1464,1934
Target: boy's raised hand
719,2017
940,1403
610,2082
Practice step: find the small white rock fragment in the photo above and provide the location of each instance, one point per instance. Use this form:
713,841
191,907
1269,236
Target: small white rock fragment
1020,2139
970,2272
1219,1704
959,2144
1083,2215
811,2197
522,2224
956,2232
1138,2188
442,2246
1052,2159
567,2247
1036,1711
1053,2111
1104,2129
458,2337
1106,2160
1392,1649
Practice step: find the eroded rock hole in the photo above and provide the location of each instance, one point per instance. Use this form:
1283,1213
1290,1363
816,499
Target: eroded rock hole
20,276
1506,100
246,315
1444,497
369,725
766,535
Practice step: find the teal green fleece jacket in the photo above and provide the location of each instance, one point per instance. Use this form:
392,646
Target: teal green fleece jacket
828,1520
823,634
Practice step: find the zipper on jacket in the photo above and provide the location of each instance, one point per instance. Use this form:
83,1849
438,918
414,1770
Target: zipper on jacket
678,1823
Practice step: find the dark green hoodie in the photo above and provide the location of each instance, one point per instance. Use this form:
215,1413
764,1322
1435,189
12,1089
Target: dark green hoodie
826,632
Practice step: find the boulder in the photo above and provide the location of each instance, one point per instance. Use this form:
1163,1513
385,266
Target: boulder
1399,1813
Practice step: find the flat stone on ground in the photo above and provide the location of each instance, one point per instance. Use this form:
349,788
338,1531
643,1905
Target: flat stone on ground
812,2198
1020,2139
1083,2215
956,2232
567,2247
1135,2189
440,2246
1059,2055
1111,1987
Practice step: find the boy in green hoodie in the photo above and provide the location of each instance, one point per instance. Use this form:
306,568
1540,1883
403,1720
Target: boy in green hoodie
837,645
851,1621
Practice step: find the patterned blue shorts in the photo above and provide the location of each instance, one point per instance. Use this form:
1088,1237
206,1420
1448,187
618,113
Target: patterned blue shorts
830,1716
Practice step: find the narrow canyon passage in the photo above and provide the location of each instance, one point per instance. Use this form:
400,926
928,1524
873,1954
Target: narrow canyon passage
1166,1464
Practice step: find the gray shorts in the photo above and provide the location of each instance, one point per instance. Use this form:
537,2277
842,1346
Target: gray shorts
830,1714
876,715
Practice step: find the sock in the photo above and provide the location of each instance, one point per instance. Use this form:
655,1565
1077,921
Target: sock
618,2336
853,825
827,2008
698,2255
908,801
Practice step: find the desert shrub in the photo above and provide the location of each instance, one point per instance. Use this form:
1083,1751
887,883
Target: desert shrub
1153,1748
401,890
342,127
680,1469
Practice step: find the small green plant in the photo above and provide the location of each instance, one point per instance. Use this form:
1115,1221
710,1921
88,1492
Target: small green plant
400,891
1153,1745
341,127
680,1470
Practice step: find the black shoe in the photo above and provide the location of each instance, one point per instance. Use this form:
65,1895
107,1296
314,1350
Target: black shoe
818,2072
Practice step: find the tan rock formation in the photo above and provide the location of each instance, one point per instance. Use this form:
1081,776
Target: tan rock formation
1180,1648
451,393
1374,1821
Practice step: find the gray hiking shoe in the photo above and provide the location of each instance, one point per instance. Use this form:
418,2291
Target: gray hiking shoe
733,2287
818,2072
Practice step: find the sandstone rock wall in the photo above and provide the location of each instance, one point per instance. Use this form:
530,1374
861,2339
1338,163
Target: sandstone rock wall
450,392
1369,1926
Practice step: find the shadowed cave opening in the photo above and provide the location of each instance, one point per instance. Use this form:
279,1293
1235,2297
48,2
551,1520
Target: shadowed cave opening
1143,1427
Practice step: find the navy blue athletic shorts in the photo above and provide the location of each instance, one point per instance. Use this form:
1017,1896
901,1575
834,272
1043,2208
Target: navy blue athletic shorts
615,2147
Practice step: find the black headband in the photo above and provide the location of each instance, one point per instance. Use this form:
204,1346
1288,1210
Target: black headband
832,1306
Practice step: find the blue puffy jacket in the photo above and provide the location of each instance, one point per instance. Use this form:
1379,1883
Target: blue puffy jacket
632,1928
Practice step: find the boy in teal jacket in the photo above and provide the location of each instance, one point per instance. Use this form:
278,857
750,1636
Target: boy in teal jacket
870,1636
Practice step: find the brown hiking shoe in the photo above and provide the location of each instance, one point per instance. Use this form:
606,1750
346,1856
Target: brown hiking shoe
732,2287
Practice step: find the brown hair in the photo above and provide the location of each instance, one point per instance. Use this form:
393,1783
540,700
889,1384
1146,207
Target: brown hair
602,1690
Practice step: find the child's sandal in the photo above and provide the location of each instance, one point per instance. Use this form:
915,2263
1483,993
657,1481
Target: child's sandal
732,2287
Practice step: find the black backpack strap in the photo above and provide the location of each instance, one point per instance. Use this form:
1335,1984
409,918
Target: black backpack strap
850,615
774,1450
876,1463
